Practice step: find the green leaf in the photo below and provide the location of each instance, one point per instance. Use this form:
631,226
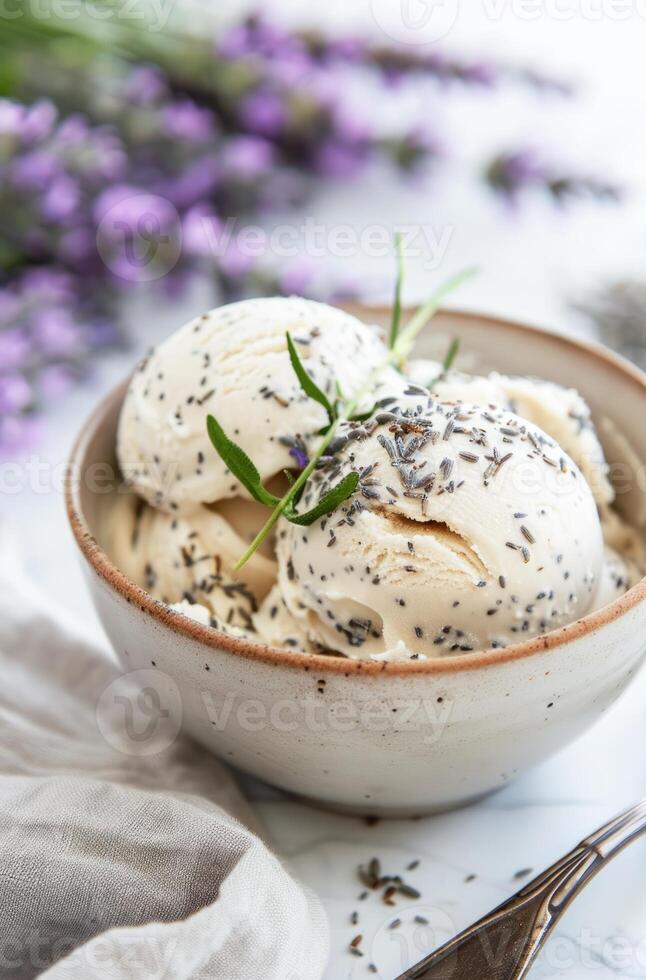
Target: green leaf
397,301
239,463
362,416
451,354
329,502
447,363
307,384
408,335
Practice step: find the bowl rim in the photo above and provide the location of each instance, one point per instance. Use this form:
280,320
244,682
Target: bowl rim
99,562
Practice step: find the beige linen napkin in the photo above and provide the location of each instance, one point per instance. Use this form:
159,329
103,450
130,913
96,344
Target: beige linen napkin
124,864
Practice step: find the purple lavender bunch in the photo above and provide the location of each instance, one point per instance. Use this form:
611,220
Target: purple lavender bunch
78,202
293,93
186,138
196,183
50,171
289,53
47,335
512,174
52,298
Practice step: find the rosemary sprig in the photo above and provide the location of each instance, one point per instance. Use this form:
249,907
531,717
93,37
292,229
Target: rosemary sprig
447,363
397,301
307,384
239,463
451,355
343,410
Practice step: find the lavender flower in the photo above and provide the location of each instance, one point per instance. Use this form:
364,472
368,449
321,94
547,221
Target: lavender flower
300,457
15,394
155,152
510,174
339,160
14,346
45,345
18,434
257,37
296,277
184,120
248,156
201,230
263,111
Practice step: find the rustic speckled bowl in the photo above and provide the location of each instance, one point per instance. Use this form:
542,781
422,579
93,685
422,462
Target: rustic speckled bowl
388,738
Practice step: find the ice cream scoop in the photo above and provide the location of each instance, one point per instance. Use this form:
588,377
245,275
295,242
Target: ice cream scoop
189,558
277,627
470,528
559,411
195,610
233,363
617,575
565,415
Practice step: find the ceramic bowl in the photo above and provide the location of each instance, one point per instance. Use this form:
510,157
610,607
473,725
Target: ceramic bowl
386,738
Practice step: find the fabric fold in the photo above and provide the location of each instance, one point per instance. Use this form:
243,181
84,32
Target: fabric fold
126,858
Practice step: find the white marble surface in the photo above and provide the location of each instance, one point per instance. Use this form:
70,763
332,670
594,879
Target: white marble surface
532,263
527,825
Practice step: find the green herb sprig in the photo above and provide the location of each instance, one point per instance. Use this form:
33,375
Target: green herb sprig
400,344
308,385
451,355
447,363
397,300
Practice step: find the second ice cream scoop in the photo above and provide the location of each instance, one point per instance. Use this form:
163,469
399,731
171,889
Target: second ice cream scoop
470,528
233,363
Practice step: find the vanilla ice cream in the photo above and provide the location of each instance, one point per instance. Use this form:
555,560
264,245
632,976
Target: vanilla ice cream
482,516
188,558
617,575
278,628
564,414
470,528
196,611
233,363
561,412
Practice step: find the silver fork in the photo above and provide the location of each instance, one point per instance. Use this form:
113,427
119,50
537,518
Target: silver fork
503,944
